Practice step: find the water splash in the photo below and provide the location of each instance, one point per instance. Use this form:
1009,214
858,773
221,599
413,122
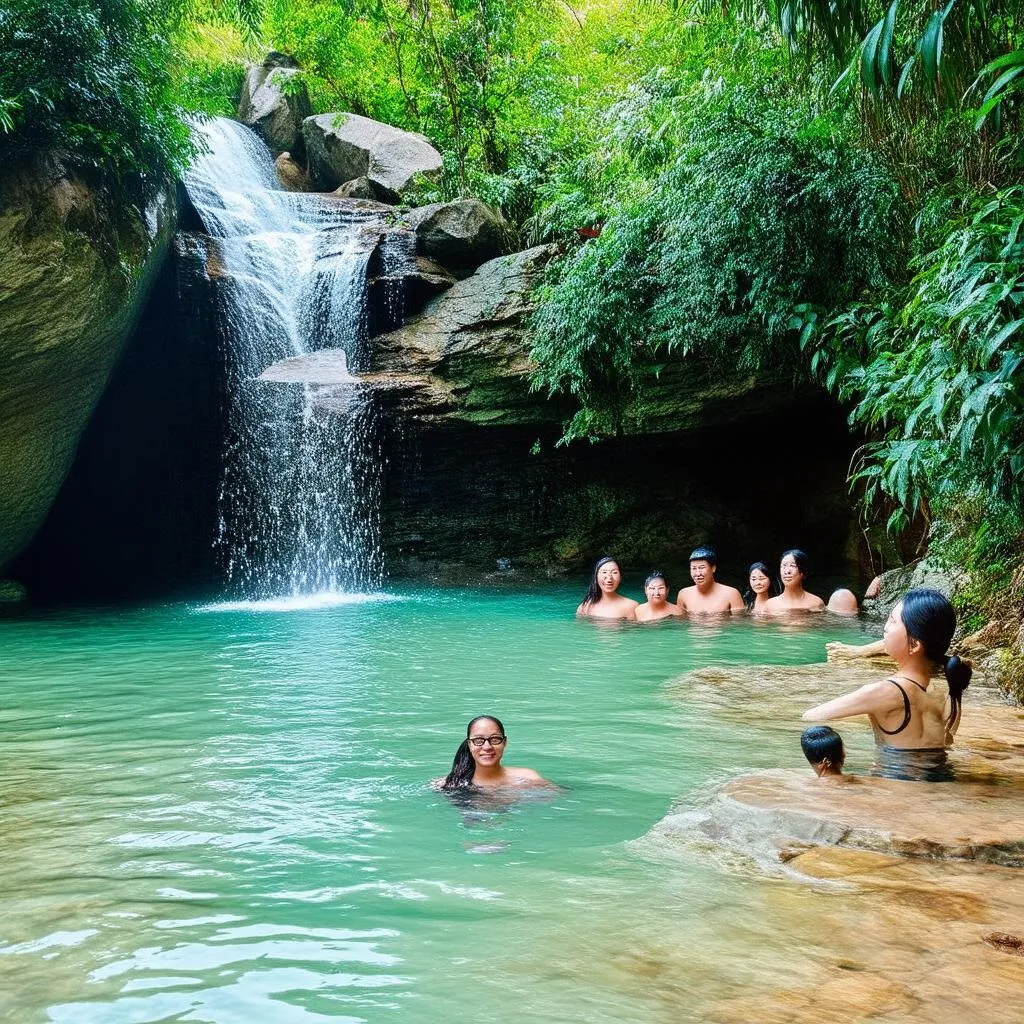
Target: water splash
299,499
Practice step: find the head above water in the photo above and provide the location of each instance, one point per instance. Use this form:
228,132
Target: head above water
611,576
794,559
928,620
759,581
482,728
823,748
705,553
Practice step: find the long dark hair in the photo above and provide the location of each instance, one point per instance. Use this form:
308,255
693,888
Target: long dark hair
929,618
594,591
461,775
802,559
749,597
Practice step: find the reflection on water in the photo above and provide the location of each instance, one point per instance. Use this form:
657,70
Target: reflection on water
226,817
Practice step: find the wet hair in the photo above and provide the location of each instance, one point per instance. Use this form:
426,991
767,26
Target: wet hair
748,595
803,562
929,618
704,554
594,591
461,775
657,574
822,743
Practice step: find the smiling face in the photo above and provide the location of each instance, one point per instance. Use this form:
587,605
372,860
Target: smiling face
486,742
656,591
609,576
790,572
702,572
759,582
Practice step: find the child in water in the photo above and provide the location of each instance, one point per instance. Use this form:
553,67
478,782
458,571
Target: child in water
824,750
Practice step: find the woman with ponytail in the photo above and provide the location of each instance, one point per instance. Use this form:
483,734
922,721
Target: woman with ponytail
913,721
477,763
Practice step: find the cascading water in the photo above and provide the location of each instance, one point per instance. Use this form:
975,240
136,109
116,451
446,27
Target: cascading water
301,478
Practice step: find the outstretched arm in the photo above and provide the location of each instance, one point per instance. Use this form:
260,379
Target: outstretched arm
836,651
871,699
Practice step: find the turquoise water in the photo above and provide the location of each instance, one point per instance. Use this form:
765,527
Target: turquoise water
216,814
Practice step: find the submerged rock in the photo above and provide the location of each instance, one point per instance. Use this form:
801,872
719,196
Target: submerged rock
77,261
342,147
272,105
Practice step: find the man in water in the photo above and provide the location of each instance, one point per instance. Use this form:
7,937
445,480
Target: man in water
706,596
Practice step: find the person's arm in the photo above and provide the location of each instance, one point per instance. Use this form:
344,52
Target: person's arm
836,651
736,601
681,599
870,699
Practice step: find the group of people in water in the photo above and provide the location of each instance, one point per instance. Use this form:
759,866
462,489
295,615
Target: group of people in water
707,596
914,722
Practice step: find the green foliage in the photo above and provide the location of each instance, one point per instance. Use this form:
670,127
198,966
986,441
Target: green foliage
90,77
758,215
935,370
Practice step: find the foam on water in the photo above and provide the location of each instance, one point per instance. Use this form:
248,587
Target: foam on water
300,602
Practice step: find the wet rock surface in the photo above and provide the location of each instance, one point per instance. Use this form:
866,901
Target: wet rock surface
78,259
911,893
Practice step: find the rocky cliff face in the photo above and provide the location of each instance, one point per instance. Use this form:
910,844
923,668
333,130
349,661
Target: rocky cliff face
76,264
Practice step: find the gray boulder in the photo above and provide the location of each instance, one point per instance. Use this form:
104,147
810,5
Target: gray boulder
461,235
364,188
269,108
341,147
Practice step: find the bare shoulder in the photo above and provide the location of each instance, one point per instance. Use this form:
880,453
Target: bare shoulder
527,777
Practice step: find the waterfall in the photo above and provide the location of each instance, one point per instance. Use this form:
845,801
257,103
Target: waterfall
301,476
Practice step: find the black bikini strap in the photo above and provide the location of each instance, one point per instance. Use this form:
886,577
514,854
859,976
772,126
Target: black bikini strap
906,711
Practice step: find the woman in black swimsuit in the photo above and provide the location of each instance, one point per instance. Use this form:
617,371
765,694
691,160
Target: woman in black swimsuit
913,721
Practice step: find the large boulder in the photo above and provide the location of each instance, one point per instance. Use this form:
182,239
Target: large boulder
460,235
341,147
77,260
270,107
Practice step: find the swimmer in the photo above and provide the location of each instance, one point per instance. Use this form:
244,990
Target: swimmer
706,596
824,750
657,605
843,602
760,587
602,601
477,763
793,568
906,712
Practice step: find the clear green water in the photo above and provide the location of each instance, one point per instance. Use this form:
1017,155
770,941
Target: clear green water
224,816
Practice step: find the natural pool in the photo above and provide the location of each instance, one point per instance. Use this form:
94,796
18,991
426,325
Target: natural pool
223,815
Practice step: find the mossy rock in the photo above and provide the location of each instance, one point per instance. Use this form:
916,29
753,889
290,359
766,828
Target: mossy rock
77,259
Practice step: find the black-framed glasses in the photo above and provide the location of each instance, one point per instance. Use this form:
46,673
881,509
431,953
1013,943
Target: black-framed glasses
479,741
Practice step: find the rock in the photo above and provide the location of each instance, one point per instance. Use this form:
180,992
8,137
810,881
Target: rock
77,260
12,592
292,174
271,108
364,188
399,292
471,343
342,147
460,235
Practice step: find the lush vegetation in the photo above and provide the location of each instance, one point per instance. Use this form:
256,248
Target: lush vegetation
833,191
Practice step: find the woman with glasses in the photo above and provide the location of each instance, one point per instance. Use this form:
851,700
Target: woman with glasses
478,764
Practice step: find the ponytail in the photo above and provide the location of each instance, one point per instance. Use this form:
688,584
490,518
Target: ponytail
461,775
930,619
958,677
